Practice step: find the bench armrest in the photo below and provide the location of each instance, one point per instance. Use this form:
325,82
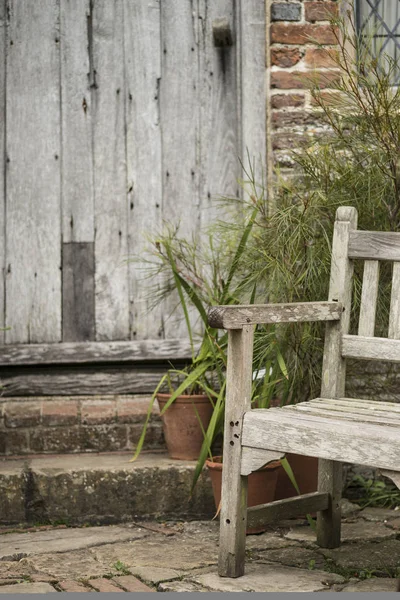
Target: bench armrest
236,316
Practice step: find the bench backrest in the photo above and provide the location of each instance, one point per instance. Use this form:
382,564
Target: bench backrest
348,245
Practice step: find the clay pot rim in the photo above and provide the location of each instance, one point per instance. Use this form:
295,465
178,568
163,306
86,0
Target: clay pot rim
183,398
216,464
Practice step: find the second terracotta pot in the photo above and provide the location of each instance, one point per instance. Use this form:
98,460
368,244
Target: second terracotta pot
182,431
305,471
261,485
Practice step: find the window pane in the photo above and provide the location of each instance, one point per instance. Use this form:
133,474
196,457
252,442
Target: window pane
379,21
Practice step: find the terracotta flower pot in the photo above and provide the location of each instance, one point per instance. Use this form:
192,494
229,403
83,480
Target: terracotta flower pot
305,470
182,431
261,485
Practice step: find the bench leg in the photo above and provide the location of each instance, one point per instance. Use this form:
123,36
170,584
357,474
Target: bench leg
233,517
329,521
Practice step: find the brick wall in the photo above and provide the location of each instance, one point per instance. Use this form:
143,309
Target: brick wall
52,425
301,47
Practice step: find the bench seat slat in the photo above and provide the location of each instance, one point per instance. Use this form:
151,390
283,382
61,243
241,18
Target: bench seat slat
334,438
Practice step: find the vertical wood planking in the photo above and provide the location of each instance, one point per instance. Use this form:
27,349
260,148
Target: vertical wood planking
219,143
144,167
234,486
2,160
369,295
179,114
394,315
334,370
76,111
252,52
33,232
111,209
78,292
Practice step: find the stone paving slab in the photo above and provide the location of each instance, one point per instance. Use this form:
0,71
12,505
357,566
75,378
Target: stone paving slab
19,545
27,588
182,557
270,578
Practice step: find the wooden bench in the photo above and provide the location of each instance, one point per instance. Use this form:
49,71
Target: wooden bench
333,428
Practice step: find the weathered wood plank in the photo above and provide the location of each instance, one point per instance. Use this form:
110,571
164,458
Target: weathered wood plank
253,91
236,316
33,236
253,459
334,371
234,486
348,412
364,444
76,111
371,348
3,50
394,314
372,404
393,475
369,295
179,115
219,135
374,245
111,204
143,155
94,352
78,319
286,509
79,381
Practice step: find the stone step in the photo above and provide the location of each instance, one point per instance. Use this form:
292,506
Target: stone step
100,488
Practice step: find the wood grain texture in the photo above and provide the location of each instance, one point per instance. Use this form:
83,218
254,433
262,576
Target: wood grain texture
286,509
334,371
76,110
236,316
78,318
369,295
219,133
79,381
143,155
111,203
351,411
33,284
394,314
371,348
3,49
325,437
94,352
179,114
253,92
234,486
254,459
374,245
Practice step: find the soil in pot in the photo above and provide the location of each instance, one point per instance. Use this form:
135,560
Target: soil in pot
261,485
305,470
182,431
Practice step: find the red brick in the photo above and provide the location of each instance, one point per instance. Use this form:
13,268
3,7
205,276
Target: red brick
320,11
59,413
288,141
22,414
320,57
302,34
104,438
132,584
134,410
302,80
285,57
94,412
58,440
73,586
331,97
104,585
287,100
16,441
289,119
